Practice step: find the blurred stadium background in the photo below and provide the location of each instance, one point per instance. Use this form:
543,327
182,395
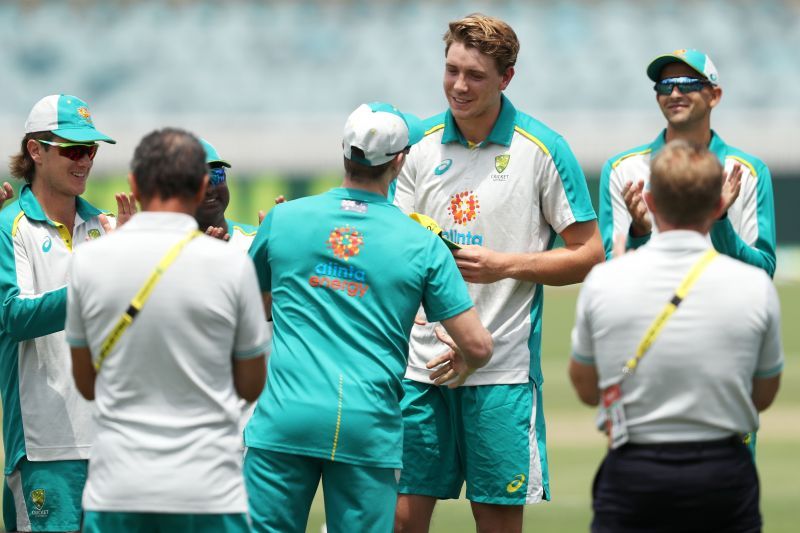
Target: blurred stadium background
270,84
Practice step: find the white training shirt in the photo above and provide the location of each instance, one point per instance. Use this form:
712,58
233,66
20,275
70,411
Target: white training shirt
512,193
167,412
695,382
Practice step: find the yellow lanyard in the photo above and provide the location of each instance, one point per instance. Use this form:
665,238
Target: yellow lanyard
141,297
658,324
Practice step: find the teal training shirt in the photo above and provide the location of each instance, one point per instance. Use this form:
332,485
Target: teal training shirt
347,271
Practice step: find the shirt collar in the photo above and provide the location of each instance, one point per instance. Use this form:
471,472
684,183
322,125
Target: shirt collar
33,209
161,220
502,131
679,240
717,146
359,194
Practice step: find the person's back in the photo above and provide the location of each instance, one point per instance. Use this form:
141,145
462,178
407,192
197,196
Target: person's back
165,340
348,273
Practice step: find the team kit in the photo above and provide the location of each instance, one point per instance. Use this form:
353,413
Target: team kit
166,368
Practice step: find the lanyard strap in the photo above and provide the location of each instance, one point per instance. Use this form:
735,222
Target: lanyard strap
658,324
141,297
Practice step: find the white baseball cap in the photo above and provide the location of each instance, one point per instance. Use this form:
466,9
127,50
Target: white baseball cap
381,132
66,116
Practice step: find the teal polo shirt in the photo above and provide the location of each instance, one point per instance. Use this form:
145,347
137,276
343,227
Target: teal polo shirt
347,271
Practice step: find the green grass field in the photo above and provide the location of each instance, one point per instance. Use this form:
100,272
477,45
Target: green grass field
575,448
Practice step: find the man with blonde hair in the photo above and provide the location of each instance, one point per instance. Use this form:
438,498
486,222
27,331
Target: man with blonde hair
502,185
679,385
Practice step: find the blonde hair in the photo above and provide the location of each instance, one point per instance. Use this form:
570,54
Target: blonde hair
489,35
686,183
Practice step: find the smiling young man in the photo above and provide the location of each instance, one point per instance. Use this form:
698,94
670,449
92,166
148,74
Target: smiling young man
211,212
46,424
502,185
687,90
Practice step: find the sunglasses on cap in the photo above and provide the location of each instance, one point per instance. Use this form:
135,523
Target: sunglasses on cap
73,151
684,84
216,176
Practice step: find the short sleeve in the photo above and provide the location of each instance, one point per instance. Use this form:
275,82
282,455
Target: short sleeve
75,329
445,294
770,358
582,340
252,336
564,193
259,254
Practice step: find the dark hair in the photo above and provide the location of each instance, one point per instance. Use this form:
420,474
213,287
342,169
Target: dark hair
169,163
21,165
359,172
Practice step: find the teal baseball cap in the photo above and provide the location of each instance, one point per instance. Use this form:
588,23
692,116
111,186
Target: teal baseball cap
212,156
380,131
697,60
66,116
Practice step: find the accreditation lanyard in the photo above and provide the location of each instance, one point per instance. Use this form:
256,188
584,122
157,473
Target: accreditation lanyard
616,425
141,297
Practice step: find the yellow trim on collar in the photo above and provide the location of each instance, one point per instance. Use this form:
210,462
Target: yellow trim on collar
747,164
530,137
243,232
434,129
626,156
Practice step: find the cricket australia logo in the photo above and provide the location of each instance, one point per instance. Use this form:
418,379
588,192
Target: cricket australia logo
38,498
94,233
501,162
464,207
345,242
85,115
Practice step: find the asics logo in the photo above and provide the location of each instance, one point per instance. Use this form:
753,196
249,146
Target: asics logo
443,167
515,484
47,244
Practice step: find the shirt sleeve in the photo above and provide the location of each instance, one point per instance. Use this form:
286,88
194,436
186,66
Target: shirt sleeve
770,358
252,337
26,314
445,294
75,329
759,213
582,339
258,253
564,193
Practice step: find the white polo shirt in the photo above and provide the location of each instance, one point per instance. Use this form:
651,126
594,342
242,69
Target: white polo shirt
167,411
695,382
512,193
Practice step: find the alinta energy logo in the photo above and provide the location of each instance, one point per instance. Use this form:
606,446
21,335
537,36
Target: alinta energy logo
344,242
464,208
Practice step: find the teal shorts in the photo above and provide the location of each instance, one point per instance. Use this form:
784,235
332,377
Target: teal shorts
46,495
281,486
111,522
491,436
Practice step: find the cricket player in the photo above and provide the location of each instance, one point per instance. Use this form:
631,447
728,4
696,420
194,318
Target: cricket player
687,87
211,212
342,275
503,186
47,428
165,340
693,384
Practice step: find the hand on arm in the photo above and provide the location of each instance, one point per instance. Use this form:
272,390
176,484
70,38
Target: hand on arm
731,186
126,207
218,233
641,224
582,249
469,347
83,371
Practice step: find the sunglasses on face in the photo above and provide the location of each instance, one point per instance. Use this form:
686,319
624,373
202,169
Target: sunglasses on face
74,151
216,176
684,84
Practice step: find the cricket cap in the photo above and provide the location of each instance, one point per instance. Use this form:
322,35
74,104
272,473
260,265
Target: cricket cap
66,116
697,60
212,157
381,132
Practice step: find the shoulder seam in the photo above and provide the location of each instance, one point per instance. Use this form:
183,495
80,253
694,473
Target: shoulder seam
626,156
434,129
532,138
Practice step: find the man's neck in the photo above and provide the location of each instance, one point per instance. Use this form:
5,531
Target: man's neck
700,135
169,205
58,207
218,222
377,187
476,130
